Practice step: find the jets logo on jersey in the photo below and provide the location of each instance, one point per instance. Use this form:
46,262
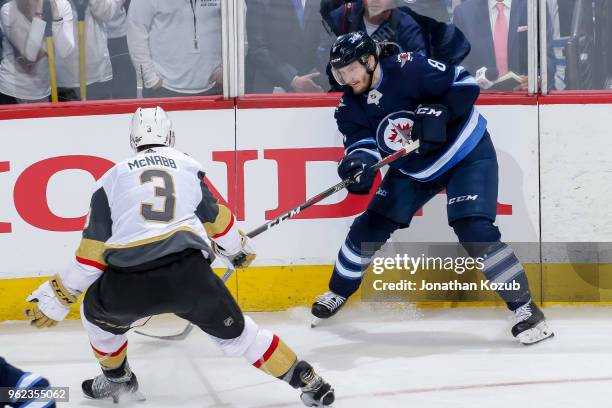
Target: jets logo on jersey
394,131
404,57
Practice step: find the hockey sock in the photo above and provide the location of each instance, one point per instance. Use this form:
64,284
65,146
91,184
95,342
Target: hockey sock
353,258
262,348
501,266
114,365
481,238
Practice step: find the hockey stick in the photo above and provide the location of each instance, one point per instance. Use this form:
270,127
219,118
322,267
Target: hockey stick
292,213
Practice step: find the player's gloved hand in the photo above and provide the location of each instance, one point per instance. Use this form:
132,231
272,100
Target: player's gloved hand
50,303
430,127
241,259
354,163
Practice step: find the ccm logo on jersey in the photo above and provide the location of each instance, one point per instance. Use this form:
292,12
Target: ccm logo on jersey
428,111
462,198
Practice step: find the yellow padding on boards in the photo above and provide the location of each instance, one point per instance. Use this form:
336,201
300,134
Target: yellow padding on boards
13,293
272,288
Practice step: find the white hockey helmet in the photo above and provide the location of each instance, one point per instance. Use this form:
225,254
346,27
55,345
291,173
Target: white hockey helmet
151,126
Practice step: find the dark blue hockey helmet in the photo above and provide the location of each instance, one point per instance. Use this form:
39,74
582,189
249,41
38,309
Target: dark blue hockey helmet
355,46
351,47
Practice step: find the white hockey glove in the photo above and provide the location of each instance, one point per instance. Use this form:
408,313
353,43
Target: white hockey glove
241,259
50,303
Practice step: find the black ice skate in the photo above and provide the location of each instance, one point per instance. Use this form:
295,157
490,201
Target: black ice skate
326,306
315,391
531,326
101,387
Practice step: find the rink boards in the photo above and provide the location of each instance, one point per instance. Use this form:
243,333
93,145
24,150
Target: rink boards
263,157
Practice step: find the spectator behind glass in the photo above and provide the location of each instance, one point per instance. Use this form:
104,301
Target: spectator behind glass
288,46
176,46
435,9
24,70
401,25
97,58
123,84
381,20
499,41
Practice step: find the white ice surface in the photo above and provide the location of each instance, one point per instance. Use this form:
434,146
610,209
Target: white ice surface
372,355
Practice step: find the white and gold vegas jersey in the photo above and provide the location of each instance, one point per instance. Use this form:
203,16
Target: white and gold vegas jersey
146,207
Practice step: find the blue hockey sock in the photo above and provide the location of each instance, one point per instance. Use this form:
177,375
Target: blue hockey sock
353,259
481,238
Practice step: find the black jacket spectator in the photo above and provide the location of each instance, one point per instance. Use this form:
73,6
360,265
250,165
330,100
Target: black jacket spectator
409,29
400,27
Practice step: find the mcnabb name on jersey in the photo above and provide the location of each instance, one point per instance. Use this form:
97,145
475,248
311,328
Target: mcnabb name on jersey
152,161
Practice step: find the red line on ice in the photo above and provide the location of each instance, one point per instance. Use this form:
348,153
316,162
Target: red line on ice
454,388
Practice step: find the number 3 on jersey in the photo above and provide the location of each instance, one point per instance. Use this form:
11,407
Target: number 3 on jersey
166,191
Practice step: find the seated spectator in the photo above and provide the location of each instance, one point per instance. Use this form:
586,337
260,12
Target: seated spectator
123,84
176,46
24,70
288,46
500,46
98,68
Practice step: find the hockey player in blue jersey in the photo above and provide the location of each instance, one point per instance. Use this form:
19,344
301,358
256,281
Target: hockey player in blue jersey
31,386
404,97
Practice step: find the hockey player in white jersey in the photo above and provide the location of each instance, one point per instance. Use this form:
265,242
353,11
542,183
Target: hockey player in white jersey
146,250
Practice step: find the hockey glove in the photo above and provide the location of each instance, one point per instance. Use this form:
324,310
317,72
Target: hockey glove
354,163
50,303
241,259
430,127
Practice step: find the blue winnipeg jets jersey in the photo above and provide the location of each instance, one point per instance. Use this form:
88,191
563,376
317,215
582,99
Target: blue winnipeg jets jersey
380,121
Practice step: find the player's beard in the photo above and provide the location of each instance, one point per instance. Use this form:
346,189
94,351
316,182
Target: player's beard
367,83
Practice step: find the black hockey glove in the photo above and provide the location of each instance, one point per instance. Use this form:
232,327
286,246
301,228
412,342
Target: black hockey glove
430,127
353,164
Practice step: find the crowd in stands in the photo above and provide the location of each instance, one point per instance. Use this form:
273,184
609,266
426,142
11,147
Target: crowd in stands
119,49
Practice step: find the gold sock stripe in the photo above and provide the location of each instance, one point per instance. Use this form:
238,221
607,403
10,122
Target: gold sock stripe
278,359
65,297
111,360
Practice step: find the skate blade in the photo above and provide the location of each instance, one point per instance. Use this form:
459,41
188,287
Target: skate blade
136,396
536,334
315,321
326,400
